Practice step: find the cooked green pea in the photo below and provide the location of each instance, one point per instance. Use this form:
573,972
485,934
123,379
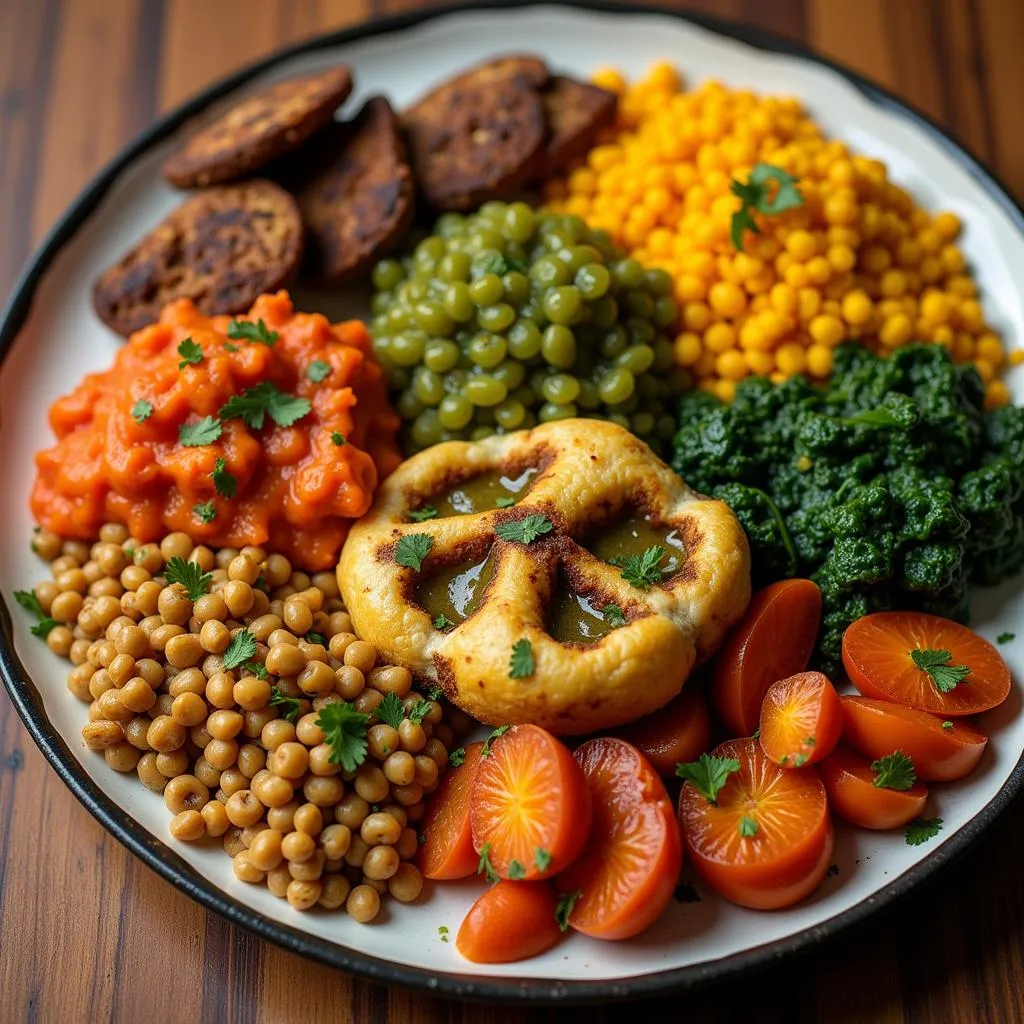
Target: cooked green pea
407,349
613,342
387,275
426,428
516,287
558,346
559,238
432,318
525,394
400,318
455,381
604,312
493,209
509,414
485,238
593,280
458,302
479,433
616,386
486,290
484,389
454,266
408,405
519,223
589,397
666,426
548,412
549,272
427,385
639,304
622,421
658,282
560,389
496,317
627,273
455,412
510,373
563,305
666,311
413,291
640,332
524,339
440,355
642,424
401,378
487,350
664,357
449,225
628,407
637,358
380,303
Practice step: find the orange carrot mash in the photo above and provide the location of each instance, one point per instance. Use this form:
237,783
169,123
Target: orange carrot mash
294,488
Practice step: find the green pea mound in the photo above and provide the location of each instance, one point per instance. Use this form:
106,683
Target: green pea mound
509,317
890,486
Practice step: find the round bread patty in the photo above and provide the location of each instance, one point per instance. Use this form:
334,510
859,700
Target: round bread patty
271,122
577,112
222,248
475,136
355,192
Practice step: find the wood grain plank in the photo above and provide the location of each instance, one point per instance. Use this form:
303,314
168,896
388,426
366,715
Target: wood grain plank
1001,27
857,35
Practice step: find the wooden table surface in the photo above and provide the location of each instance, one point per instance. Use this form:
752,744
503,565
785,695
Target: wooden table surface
86,932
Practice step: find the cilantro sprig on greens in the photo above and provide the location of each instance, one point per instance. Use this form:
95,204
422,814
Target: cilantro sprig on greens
945,676
755,197
708,775
190,575
43,624
894,771
344,730
248,331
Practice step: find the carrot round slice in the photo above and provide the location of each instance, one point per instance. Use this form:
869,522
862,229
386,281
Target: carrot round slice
801,719
920,660
530,806
447,851
680,731
767,840
511,921
853,795
630,867
940,749
774,639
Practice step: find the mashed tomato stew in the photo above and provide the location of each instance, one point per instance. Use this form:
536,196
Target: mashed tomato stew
232,432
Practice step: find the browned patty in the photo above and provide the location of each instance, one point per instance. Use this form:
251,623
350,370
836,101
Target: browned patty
259,128
476,136
577,113
355,192
221,248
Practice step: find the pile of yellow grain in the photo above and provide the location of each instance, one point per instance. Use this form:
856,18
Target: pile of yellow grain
857,261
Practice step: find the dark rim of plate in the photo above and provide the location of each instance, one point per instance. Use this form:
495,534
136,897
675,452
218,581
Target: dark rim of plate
165,862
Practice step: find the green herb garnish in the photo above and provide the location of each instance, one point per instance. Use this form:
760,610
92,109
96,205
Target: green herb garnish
240,650
525,531
44,623
754,198
708,775
142,410
920,831
338,438
613,615
748,827
258,670
485,750
315,638
344,731
504,502
1005,638
248,331
318,370
457,758
521,664
894,771
642,570
224,483
936,663
205,511
420,514
485,867
564,908
442,622
290,707
390,710
204,431
412,549
191,354
516,870
189,574
262,400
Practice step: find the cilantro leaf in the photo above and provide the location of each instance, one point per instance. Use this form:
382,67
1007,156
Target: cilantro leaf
258,332
525,530
43,624
542,858
485,750
420,514
412,549
457,758
947,726
613,615
258,670
318,370
142,410
748,827
419,712
315,638
205,511
338,438
521,663
390,710
742,220
442,622
204,431
191,354
190,575
1005,638
290,707
224,483
643,570
564,908
516,870
505,502
894,771
241,648
265,399
708,774
754,196
344,731
946,677
228,347
434,692
921,830
485,867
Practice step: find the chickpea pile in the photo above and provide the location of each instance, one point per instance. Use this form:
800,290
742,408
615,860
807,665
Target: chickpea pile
237,752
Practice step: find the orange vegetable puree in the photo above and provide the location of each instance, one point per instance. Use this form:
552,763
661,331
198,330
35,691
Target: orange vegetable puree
297,490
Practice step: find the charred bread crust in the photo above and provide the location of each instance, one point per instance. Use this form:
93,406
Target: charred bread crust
577,113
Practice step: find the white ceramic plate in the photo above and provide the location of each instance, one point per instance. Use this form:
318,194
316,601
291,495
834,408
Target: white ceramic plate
50,337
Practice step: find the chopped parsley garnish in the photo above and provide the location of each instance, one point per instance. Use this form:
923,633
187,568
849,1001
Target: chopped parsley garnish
228,347
485,750
507,501
390,710
442,930
240,650
708,774
142,410
946,677
564,907
191,354
485,867
418,515
457,758
894,771
418,712
338,438
643,570
525,531
205,511
258,670
922,830
189,574
542,858
442,622
290,706
800,760
748,827
521,664
204,431
224,483
254,404
434,692
516,870
344,731
753,196
947,726
318,370
613,615
43,624
1005,638
248,331
412,549
315,638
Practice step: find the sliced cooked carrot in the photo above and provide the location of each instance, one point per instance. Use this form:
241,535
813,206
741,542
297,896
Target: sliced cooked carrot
511,921
801,719
680,731
447,851
854,795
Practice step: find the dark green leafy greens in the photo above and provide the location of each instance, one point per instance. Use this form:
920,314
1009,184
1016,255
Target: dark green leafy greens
890,486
